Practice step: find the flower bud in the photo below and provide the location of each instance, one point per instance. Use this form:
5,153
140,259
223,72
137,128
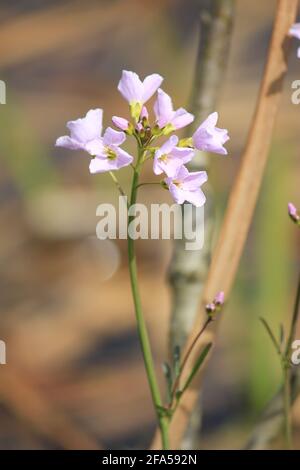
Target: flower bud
293,213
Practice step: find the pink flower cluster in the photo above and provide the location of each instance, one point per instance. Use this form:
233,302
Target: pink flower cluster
169,158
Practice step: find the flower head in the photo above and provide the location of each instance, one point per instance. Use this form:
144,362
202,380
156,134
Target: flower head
108,155
216,305
168,158
293,213
137,92
295,32
185,186
210,138
166,116
84,132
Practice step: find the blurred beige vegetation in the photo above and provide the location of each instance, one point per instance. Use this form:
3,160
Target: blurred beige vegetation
74,376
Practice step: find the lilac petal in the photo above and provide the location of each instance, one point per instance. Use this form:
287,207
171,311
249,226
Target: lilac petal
150,85
95,147
131,87
68,143
210,121
99,165
123,158
166,148
120,123
195,197
112,137
182,118
163,108
195,180
182,173
295,30
88,128
157,169
184,153
177,193
169,167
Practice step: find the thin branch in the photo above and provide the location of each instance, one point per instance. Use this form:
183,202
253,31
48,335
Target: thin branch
242,199
117,184
270,423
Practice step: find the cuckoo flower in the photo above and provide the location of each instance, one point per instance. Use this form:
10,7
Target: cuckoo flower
210,138
166,116
185,186
295,32
108,155
137,92
169,158
84,132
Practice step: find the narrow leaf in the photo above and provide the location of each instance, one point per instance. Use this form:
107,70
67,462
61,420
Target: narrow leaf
176,359
271,335
281,334
168,375
197,366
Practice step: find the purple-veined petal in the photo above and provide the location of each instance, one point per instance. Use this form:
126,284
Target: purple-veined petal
184,153
181,118
131,87
68,143
194,180
210,121
95,147
112,137
167,146
177,193
150,85
195,197
99,165
169,166
123,158
88,128
163,108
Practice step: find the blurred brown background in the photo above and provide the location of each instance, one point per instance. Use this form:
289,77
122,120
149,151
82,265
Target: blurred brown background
74,376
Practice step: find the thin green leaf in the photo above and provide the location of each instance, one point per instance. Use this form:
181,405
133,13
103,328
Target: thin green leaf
168,375
176,359
197,366
271,335
281,334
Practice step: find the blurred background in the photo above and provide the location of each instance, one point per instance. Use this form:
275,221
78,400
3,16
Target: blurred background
74,376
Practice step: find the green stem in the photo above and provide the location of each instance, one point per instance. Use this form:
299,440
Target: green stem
287,372
287,406
141,325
